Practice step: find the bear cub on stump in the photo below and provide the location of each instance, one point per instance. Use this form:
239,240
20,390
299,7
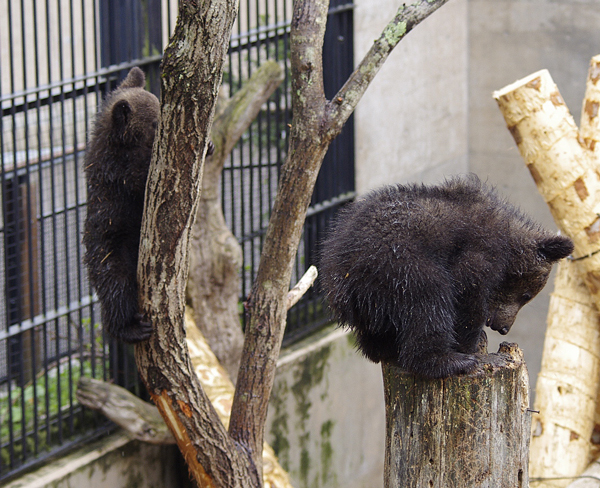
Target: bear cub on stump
417,271
116,166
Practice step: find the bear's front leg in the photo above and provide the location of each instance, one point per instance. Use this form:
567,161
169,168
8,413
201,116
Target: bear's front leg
433,349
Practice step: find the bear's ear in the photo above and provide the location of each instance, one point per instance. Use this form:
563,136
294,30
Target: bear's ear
555,247
120,114
134,79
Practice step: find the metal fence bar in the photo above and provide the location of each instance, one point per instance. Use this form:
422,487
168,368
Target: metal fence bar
49,91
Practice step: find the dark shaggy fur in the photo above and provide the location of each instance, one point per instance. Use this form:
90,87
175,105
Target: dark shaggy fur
417,271
116,167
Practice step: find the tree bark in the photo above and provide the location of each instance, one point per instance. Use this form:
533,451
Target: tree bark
215,254
316,122
470,430
191,74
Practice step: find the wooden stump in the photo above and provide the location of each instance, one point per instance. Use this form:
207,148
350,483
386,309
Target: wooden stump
464,431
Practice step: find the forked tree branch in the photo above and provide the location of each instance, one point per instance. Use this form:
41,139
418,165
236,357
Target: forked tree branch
191,74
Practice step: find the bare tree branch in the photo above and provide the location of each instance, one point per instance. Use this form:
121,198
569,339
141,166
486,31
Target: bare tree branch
300,288
347,98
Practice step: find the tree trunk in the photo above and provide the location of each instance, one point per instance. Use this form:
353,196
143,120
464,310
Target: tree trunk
316,122
463,431
215,255
143,421
191,74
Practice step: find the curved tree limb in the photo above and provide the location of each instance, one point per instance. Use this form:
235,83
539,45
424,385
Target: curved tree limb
300,288
139,418
347,98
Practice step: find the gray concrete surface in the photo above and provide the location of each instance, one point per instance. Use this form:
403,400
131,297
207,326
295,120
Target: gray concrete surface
326,417
430,112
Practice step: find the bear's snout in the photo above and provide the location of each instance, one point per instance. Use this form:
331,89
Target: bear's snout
502,320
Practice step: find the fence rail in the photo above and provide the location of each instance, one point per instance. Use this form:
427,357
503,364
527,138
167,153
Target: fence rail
54,72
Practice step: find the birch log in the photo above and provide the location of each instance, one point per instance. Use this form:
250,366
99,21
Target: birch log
590,120
590,133
590,478
561,165
567,383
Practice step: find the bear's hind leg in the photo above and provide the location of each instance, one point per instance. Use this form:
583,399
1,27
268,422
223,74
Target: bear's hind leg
431,348
451,363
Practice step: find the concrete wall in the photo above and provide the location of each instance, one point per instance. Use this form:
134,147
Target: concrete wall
326,422
326,418
114,461
411,125
430,111
507,41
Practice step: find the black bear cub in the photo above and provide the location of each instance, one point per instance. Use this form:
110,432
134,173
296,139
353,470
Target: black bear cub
417,271
116,165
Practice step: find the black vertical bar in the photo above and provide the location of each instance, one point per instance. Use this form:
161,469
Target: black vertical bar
40,242
55,210
24,216
2,162
48,347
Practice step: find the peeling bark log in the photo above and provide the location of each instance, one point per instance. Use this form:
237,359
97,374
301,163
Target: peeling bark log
470,430
560,164
590,478
562,161
567,384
